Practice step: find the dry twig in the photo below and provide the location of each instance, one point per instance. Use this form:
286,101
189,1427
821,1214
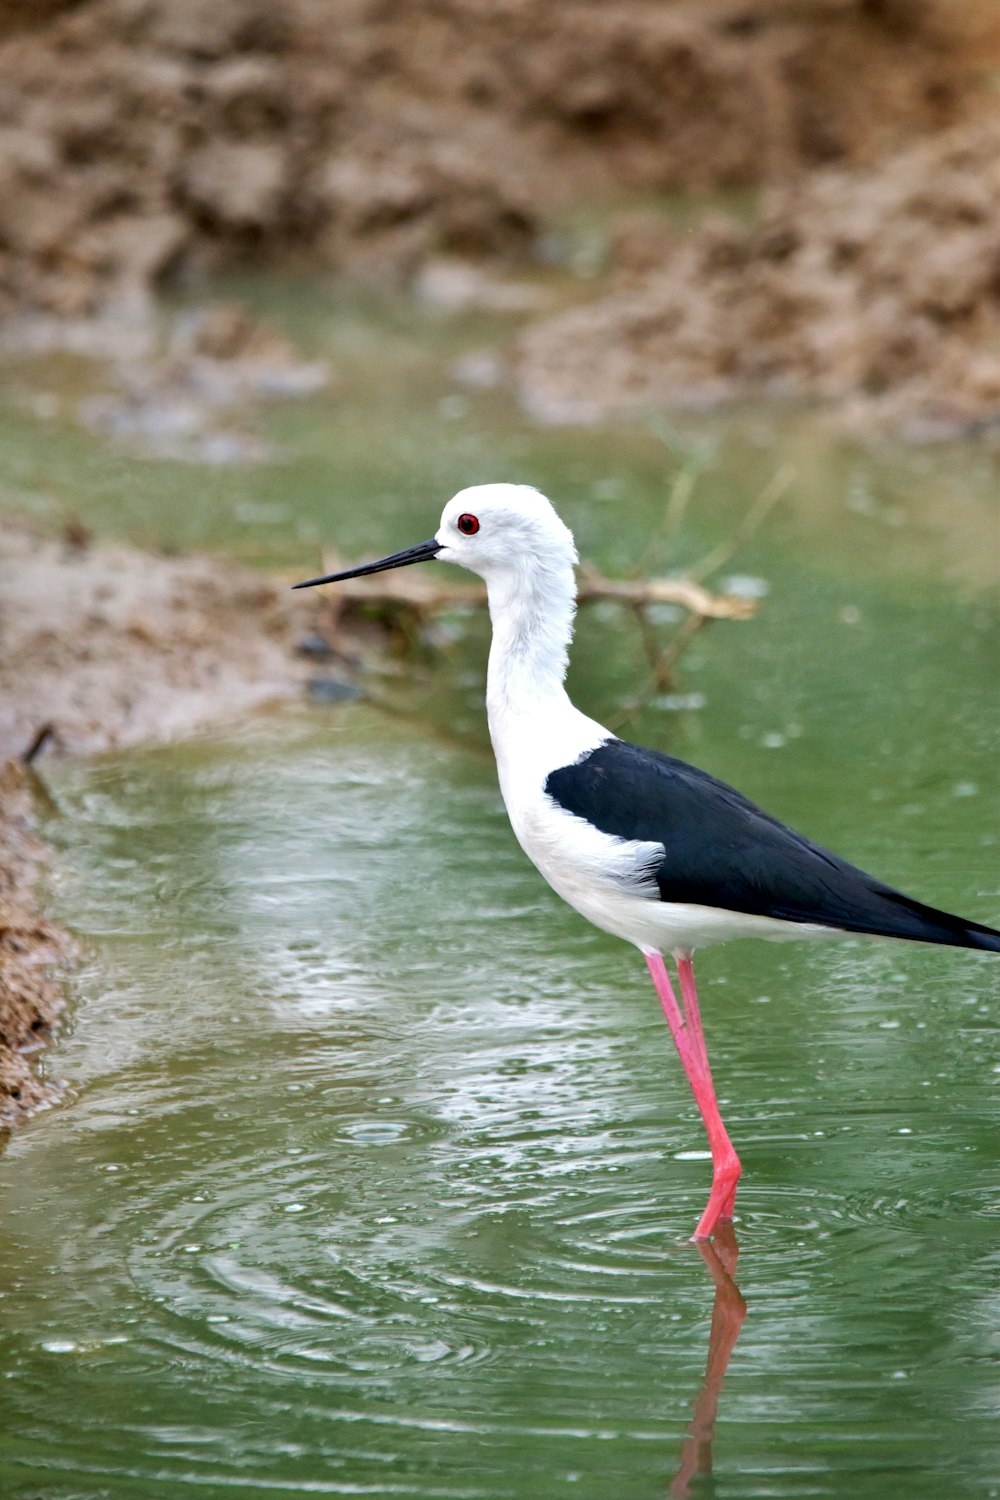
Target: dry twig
424,598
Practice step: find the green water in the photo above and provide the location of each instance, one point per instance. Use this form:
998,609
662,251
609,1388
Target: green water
379,1167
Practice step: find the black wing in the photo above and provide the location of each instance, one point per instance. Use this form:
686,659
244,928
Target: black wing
721,850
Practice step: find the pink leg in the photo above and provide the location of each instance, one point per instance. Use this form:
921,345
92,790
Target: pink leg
692,1013
690,1041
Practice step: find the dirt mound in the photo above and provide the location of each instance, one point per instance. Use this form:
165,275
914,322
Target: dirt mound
140,137
882,286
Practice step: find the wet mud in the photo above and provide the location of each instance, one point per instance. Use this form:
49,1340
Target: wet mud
877,289
35,953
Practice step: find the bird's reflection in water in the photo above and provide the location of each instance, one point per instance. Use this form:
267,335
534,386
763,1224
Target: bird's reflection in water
720,1256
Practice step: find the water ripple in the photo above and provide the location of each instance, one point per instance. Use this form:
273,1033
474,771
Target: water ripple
313,1229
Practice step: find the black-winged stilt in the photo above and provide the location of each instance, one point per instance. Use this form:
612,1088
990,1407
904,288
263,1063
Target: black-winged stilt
643,845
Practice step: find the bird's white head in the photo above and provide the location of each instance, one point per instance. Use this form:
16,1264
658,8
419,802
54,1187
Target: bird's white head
510,535
503,528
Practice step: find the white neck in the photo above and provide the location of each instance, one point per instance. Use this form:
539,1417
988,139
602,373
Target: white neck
533,725
532,613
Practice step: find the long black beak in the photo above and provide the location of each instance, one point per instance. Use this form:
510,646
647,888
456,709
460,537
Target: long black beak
422,552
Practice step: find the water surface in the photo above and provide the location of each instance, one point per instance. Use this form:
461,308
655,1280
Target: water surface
380,1166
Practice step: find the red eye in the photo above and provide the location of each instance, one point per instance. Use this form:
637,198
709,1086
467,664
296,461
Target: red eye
468,525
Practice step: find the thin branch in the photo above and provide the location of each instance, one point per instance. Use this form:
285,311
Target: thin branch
678,644
663,663
692,596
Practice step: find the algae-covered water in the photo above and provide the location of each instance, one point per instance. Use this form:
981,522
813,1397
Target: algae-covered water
380,1165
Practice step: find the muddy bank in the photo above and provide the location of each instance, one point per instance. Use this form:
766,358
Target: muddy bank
877,288
146,138
106,647
34,953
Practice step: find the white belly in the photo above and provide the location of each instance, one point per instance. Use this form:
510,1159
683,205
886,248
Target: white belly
606,880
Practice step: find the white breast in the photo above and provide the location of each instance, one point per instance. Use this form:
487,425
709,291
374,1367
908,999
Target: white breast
603,877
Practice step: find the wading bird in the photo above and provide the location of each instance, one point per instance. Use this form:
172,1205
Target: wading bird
643,845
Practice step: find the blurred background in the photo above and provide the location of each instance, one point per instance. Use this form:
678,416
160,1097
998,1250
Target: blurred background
797,195
357,1164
